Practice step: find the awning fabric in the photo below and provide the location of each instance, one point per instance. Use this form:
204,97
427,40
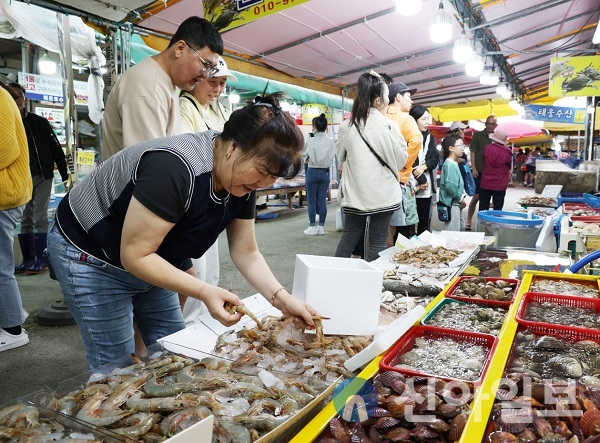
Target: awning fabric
477,110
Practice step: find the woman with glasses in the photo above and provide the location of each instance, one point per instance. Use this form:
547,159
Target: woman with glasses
121,241
144,103
372,151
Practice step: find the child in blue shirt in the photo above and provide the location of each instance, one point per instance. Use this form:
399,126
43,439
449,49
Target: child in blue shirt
452,190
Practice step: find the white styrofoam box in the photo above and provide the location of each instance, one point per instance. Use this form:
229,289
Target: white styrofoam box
348,290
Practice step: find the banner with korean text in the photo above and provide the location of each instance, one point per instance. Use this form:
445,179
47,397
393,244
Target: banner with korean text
229,14
555,114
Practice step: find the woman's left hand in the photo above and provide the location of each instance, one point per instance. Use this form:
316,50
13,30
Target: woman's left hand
292,306
418,171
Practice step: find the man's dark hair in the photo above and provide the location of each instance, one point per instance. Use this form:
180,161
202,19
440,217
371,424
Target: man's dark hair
198,33
16,85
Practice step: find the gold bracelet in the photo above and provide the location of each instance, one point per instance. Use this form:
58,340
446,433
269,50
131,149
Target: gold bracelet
275,295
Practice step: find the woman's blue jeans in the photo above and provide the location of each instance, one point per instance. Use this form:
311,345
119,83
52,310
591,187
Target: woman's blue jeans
317,184
11,306
105,301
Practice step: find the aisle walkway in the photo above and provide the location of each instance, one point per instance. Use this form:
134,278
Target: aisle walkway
56,353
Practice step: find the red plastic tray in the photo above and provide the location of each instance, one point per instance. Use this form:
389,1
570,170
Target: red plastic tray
586,218
568,207
561,300
407,342
451,289
591,284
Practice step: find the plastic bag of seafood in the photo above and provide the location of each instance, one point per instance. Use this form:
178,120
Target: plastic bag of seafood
182,399
448,354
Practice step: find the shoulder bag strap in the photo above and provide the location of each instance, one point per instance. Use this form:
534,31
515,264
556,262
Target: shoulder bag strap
383,163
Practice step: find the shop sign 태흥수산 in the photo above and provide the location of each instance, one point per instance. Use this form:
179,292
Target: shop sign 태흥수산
556,114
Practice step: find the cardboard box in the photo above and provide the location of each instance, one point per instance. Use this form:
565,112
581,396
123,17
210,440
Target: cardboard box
347,290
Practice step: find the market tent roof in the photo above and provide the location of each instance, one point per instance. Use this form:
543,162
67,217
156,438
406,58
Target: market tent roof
330,43
476,110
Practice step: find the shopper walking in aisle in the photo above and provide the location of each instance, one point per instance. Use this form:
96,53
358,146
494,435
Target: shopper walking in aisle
44,152
16,185
144,103
424,169
201,111
128,229
319,151
404,220
452,188
497,162
372,151
478,143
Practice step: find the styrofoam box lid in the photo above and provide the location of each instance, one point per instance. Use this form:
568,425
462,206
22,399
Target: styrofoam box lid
382,343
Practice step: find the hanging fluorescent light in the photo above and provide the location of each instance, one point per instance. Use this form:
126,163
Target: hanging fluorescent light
440,30
474,67
408,7
513,103
463,51
493,79
234,98
484,78
46,65
501,88
507,93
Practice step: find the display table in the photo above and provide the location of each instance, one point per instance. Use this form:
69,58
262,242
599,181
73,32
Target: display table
288,187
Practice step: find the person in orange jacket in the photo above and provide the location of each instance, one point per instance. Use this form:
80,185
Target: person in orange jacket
400,103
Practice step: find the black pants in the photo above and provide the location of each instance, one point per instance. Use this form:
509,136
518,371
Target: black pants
424,212
485,195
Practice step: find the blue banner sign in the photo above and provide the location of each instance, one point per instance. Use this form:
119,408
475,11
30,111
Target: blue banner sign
555,114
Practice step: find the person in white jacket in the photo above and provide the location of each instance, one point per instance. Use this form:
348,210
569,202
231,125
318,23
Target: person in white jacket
372,151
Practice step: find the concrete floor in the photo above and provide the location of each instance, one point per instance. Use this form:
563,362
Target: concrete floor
55,353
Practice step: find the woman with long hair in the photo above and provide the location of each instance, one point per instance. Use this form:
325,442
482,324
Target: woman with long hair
372,151
424,169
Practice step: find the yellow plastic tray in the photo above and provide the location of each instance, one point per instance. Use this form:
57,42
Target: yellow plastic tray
317,425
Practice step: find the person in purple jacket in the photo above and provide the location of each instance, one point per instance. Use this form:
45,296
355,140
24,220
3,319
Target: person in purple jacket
497,162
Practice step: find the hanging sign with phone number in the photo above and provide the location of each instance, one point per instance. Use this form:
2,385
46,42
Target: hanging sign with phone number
229,14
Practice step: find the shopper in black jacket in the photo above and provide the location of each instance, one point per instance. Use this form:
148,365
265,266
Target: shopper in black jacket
44,152
425,168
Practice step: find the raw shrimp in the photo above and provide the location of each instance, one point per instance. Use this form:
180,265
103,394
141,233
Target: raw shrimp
95,413
180,420
232,432
233,309
261,422
155,387
25,417
162,403
143,426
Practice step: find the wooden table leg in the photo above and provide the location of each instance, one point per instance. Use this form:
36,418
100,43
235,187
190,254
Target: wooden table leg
290,196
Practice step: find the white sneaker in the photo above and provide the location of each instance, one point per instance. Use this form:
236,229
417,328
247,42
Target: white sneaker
311,230
320,230
9,341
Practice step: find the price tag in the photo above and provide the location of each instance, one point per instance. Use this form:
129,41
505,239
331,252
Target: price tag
86,158
552,191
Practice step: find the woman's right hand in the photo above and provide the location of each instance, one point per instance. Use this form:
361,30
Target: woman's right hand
215,300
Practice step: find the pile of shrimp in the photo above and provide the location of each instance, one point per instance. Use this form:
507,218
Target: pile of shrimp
153,400
279,345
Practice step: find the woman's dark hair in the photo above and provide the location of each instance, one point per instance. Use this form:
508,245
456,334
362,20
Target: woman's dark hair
9,90
262,130
417,111
320,123
369,88
198,33
448,141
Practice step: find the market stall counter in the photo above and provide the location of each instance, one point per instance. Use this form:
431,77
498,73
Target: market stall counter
287,187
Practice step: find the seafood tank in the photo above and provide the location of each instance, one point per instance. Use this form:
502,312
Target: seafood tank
555,172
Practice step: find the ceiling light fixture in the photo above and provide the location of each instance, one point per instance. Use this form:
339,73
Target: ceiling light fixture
501,88
513,103
493,79
463,50
46,65
474,67
484,78
440,30
408,7
507,93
